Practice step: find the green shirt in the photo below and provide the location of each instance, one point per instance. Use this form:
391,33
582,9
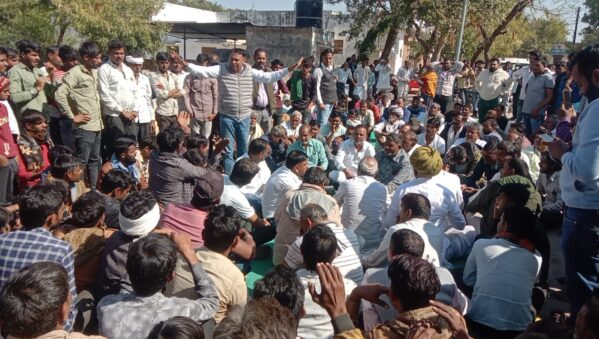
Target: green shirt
314,151
22,89
79,94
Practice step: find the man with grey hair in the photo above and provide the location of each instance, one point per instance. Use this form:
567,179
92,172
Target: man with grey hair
394,163
363,202
473,132
347,259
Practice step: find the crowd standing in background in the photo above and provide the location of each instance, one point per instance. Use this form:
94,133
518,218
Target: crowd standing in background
134,200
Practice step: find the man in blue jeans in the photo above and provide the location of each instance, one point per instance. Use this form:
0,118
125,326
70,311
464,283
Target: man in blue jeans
235,88
579,183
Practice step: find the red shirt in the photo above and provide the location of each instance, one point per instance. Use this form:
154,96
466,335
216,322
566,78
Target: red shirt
28,178
8,147
376,112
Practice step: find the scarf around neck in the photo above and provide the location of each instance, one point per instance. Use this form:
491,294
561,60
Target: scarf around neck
31,152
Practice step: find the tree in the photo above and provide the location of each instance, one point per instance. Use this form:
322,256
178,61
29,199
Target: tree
591,17
98,20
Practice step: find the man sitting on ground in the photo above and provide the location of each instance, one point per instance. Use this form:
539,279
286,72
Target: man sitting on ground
286,178
124,159
350,153
394,163
346,260
282,284
115,187
151,264
35,303
258,151
313,148
221,234
319,245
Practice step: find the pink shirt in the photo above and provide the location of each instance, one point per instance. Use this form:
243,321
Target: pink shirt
187,219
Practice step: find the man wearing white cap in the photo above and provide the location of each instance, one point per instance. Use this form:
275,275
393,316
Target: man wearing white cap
143,98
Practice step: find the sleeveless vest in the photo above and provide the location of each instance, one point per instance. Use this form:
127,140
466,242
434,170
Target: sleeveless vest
235,92
328,86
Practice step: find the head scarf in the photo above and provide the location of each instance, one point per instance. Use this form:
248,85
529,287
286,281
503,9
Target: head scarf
143,225
133,60
427,162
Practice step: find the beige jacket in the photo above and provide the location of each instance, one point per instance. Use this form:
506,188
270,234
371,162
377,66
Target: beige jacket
62,334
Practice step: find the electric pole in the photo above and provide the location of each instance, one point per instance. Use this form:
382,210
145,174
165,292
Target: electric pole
461,35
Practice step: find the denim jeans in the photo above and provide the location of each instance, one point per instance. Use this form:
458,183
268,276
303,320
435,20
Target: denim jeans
7,181
237,131
580,244
519,110
61,132
323,114
87,148
532,124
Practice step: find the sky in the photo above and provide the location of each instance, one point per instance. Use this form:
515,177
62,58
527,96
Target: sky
569,14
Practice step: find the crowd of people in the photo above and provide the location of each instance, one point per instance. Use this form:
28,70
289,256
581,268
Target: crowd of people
135,201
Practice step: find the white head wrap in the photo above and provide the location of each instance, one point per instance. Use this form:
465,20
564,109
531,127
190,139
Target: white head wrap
142,226
135,61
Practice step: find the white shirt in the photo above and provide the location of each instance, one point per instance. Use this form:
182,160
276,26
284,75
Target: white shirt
438,143
384,76
361,75
363,201
316,323
424,228
347,260
291,132
342,75
281,181
387,127
491,85
255,187
445,208
404,75
452,135
12,120
143,100
117,88
415,147
524,75
349,157
233,197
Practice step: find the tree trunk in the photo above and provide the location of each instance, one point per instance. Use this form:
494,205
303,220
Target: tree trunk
485,46
439,46
391,40
61,32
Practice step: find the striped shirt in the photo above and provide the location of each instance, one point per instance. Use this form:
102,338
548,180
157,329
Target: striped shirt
20,249
347,261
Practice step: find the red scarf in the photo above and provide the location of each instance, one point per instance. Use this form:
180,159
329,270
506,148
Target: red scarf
525,243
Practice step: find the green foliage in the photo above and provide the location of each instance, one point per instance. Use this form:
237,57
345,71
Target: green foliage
591,17
48,21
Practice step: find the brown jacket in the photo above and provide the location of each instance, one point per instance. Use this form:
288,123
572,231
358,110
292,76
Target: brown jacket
201,98
398,328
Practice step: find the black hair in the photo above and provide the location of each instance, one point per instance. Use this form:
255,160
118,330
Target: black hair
520,221
239,51
67,53
221,227
277,62
456,155
195,157
40,202
31,116
435,122
405,241
148,142
556,164
3,50
243,172
319,245
414,281
31,298
314,123
169,139
520,167
5,215
335,114
89,49
150,263
491,145
121,145
87,210
316,176
282,283
195,141
62,164
517,193
11,52
518,127
136,204
325,52
494,59
177,328
116,178
295,158
587,61
418,204
162,56
58,150
202,58
258,146
27,46
115,44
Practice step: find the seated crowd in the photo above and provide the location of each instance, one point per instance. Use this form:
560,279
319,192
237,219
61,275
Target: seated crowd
136,226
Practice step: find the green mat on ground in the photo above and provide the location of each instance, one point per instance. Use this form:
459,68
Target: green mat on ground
259,269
